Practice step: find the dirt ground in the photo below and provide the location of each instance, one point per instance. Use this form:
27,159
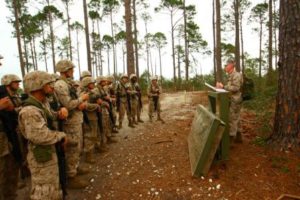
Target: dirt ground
152,162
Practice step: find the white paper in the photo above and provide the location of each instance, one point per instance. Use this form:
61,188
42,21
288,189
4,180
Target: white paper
214,88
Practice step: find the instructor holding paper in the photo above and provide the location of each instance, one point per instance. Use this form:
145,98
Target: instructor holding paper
234,84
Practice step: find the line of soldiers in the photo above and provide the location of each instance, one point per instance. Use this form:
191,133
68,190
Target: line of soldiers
59,122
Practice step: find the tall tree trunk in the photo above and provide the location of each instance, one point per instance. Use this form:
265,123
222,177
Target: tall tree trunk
160,65
218,41
287,114
260,48
52,37
45,52
113,44
100,48
35,54
25,54
87,36
69,30
17,27
178,65
129,38
242,44
214,38
186,48
237,35
124,62
275,35
78,52
173,47
151,63
32,55
136,51
108,61
147,51
270,48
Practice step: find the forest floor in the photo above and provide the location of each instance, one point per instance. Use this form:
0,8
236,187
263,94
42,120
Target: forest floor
152,162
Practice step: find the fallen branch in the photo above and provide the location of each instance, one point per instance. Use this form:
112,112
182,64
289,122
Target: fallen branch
163,141
294,197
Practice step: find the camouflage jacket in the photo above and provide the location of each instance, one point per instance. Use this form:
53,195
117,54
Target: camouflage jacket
153,90
63,89
92,106
234,84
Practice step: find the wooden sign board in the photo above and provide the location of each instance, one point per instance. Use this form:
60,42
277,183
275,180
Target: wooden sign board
203,140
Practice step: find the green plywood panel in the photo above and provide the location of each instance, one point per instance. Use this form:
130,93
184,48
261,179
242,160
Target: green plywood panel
203,140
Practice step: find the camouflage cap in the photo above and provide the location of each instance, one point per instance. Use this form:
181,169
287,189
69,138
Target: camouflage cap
132,76
86,81
85,74
9,78
100,79
55,76
76,83
36,80
64,65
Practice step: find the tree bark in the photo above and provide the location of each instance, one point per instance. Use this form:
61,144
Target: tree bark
242,44
113,44
270,48
69,30
275,35
135,40
87,36
214,38
160,65
78,52
17,27
129,38
52,38
218,41
260,48
186,48
173,47
287,114
237,35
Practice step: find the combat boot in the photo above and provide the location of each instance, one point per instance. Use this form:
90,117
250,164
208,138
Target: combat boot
120,125
130,124
150,118
114,130
77,183
89,158
141,121
160,119
111,140
82,170
238,137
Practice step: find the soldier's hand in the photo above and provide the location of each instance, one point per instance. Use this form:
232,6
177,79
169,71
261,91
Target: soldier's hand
63,113
82,106
84,97
64,143
219,85
5,103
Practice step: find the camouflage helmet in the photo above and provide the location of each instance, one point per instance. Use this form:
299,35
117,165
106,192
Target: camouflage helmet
36,80
124,76
86,81
9,78
76,83
55,76
100,79
154,78
64,65
85,74
132,76
110,78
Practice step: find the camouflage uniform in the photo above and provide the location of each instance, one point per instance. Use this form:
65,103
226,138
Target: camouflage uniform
34,120
139,105
122,92
110,90
134,100
154,101
9,167
234,84
99,92
72,126
91,129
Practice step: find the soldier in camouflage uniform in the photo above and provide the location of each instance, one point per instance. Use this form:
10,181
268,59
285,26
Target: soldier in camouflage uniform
35,121
102,97
123,89
154,91
136,87
85,74
72,126
91,129
234,84
134,99
110,90
9,161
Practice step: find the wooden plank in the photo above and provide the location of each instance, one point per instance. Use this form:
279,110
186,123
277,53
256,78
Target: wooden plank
203,140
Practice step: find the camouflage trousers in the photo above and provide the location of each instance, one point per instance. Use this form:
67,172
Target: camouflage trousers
74,147
139,111
152,108
44,178
106,123
90,135
134,108
122,110
234,118
9,174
